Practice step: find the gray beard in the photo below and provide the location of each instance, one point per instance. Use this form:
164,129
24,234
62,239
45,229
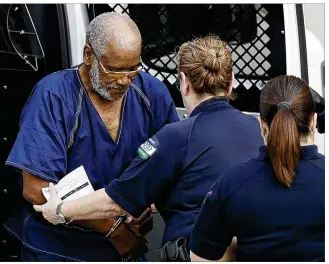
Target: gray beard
96,84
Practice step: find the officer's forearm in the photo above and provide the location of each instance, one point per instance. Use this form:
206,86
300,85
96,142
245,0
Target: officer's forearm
97,205
32,192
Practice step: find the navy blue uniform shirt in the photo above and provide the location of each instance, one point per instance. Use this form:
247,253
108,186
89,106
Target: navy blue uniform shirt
42,148
271,222
178,165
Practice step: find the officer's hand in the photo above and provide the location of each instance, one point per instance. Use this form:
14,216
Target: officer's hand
142,225
48,209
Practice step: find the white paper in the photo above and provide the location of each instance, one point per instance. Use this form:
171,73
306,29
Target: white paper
73,186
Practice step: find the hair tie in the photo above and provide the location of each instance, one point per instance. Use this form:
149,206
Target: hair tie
284,104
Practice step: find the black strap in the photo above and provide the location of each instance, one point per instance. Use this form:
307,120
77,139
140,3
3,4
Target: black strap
174,251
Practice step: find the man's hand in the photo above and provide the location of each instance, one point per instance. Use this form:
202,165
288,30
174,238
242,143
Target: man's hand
142,225
49,209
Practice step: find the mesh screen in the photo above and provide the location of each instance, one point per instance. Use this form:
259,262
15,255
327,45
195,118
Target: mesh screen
254,33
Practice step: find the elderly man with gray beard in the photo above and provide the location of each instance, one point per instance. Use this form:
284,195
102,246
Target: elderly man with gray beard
95,115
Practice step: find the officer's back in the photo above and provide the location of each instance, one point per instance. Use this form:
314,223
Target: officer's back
217,135
274,203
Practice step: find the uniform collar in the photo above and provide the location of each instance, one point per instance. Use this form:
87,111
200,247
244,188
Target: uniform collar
307,153
214,102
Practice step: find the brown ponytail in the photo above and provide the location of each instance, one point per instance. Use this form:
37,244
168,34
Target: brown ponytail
288,123
283,146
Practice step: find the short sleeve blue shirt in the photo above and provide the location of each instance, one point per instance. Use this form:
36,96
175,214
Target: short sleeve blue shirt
271,222
43,148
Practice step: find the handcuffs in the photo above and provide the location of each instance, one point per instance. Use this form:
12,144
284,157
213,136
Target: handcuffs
120,219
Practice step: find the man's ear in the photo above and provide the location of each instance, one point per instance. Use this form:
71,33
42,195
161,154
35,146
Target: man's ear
87,55
263,127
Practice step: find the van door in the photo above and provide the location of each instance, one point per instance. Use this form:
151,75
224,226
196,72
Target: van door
33,43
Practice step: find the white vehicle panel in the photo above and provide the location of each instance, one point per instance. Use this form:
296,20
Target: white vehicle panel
77,18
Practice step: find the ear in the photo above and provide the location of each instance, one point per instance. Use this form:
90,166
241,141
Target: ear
87,55
230,88
263,127
313,123
185,84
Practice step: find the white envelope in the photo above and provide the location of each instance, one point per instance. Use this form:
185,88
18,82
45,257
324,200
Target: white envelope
73,186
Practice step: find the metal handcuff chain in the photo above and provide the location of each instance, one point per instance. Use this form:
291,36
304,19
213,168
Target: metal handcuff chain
120,219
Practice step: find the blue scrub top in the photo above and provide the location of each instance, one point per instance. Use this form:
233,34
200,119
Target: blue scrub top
42,148
271,222
185,158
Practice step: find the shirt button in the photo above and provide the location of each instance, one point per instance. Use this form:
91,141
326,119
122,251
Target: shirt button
5,139
185,116
5,87
4,191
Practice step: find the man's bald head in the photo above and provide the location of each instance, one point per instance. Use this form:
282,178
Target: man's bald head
113,28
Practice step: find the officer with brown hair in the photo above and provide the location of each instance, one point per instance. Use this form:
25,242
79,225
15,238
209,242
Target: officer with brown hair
275,203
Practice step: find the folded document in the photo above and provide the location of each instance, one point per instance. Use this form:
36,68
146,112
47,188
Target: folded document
73,186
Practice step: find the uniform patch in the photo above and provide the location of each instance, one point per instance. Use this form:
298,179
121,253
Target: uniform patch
148,148
142,154
154,141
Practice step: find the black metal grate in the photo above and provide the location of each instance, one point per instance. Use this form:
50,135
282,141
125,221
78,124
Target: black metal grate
254,33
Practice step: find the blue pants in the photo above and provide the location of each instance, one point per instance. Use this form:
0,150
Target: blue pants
31,256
